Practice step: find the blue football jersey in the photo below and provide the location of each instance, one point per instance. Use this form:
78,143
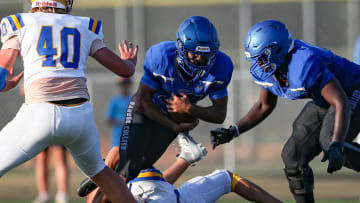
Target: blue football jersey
161,74
309,69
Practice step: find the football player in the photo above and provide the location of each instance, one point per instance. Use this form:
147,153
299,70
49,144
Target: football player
293,69
153,186
177,75
54,47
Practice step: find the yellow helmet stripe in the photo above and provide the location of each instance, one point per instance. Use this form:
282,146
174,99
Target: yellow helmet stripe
150,174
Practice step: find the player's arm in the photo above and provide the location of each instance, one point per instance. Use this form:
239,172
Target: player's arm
214,114
259,111
8,58
124,65
145,104
334,94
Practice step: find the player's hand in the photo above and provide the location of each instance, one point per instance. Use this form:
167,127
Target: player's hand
12,80
335,157
185,127
223,135
128,52
179,104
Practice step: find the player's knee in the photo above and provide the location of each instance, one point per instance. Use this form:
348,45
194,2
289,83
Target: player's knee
301,180
222,172
234,178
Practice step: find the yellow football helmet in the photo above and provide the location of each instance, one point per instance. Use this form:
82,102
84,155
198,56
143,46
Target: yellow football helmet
63,4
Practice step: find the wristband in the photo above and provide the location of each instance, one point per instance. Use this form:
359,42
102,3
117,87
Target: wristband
237,130
3,74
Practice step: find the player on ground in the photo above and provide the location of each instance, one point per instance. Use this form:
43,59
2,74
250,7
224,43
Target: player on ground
293,69
153,186
177,75
54,47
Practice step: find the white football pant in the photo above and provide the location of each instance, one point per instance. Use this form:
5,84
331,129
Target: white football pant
36,126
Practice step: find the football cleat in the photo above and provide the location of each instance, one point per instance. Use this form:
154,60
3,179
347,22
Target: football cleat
190,150
85,187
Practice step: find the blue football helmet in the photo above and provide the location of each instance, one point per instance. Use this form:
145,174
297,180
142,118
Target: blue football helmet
268,43
198,36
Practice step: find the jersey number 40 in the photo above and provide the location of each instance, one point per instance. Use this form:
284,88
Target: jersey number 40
69,55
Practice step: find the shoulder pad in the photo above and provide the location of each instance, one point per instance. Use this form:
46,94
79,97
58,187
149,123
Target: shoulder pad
94,25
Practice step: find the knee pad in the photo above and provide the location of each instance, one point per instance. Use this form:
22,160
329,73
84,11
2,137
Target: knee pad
301,180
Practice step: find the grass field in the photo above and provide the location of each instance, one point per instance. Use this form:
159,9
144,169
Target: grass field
18,186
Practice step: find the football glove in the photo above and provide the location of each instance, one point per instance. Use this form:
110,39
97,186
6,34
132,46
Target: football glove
223,135
335,157
190,150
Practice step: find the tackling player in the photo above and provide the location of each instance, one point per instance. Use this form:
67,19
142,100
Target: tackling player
177,75
153,186
54,47
293,69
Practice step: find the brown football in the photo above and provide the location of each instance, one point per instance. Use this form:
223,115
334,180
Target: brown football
181,117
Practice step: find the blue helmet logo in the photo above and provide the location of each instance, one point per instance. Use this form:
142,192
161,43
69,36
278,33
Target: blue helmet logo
268,43
198,36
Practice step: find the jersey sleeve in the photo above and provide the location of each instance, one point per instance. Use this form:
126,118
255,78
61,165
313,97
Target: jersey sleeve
316,74
11,26
148,78
95,26
223,78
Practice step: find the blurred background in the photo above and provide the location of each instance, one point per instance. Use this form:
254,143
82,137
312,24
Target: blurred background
332,24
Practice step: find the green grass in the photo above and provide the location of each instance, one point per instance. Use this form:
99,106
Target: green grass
18,186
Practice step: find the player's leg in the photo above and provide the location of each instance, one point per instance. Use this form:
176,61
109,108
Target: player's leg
41,176
250,190
79,135
25,136
211,187
113,186
142,145
302,146
62,173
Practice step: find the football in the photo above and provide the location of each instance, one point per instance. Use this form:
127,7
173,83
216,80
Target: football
181,117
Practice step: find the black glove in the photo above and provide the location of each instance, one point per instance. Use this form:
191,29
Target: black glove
335,157
223,135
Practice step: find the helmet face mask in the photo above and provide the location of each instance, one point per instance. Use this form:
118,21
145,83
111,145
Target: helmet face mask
268,44
197,46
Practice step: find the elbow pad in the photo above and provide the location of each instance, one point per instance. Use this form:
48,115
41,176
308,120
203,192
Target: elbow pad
3,74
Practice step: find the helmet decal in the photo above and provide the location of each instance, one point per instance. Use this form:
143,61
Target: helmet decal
62,4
